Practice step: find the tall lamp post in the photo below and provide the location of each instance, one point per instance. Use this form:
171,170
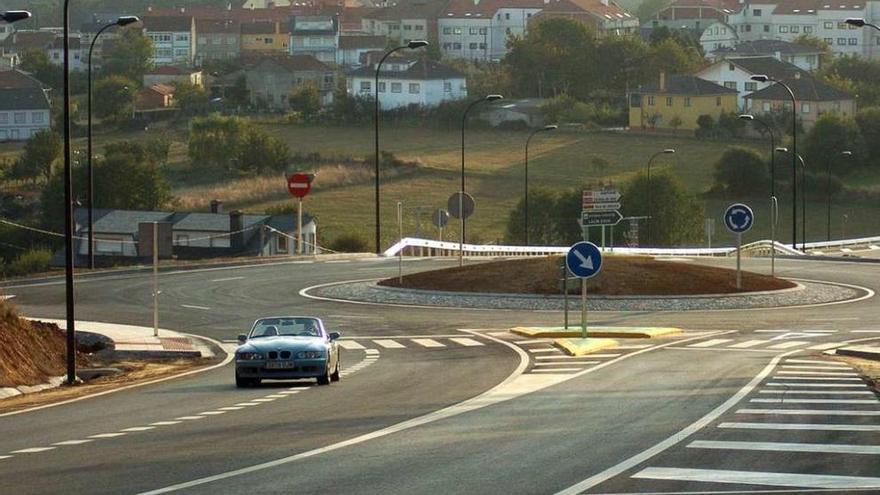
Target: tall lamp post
845,154
667,151
799,158
773,200
546,128
461,196
68,203
764,78
412,45
121,22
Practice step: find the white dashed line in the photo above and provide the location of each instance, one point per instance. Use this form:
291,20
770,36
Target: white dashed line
819,385
428,343
276,396
72,442
187,418
165,423
786,447
817,373
192,306
261,400
350,345
231,408
711,343
815,401
787,345
215,413
543,350
32,450
563,363
389,344
809,412
371,353
467,342
799,426
246,404
812,361
556,370
139,428
227,279
107,435
821,392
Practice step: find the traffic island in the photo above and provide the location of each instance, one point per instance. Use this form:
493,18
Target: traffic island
601,332
582,347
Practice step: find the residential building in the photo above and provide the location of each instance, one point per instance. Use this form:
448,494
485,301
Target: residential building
77,58
675,103
406,20
813,98
478,29
24,106
155,96
217,39
271,80
693,14
353,48
6,29
404,82
174,39
602,17
526,111
736,73
21,42
264,37
718,36
804,57
170,74
314,35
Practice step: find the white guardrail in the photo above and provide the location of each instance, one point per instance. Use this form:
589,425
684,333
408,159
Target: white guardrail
412,246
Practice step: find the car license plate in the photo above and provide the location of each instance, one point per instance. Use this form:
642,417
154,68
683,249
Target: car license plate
279,365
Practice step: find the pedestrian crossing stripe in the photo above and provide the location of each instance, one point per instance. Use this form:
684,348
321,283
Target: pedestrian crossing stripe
795,480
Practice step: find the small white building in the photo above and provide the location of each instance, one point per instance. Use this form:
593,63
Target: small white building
404,82
718,36
478,29
737,73
24,107
174,39
77,59
804,57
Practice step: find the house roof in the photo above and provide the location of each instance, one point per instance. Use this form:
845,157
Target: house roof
686,85
422,69
485,8
804,88
23,41
58,43
768,66
353,42
766,47
291,63
726,6
16,79
409,9
605,11
796,7
218,26
162,89
117,221
23,99
170,24
126,221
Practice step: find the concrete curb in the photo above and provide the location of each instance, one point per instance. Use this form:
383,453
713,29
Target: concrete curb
7,392
863,351
599,332
582,347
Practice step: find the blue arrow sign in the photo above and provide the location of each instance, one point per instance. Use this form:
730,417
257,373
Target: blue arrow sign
739,218
584,260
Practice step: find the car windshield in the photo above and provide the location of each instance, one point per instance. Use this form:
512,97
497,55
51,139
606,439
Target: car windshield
271,327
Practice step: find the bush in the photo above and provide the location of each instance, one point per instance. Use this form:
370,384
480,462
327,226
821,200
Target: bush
706,126
741,172
350,243
31,261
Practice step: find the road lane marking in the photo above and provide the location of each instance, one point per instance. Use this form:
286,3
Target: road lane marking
217,413
814,361
138,428
192,306
247,404
350,345
759,478
5,456
467,341
546,349
711,343
227,279
73,442
808,412
428,343
814,367
825,448
32,450
188,418
231,408
827,385
563,363
638,346
866,331
284,392
338,261
787,345
276,396
749,343
389,344
555,370
823,392
372,353
533,341
825,347
576,358
107,435
825,378
798,426
165,423
817,373
833,319
815,401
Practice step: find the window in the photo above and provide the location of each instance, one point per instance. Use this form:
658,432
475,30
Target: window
4,118
456,30
4,134
783,29
181,52
456,46
394,27
751,86
830,41
808,29
650,101
20,117
164,53
853,27
181,239
507,16
447,87
230,40
668,101
766,106
181,37
730,84
268,41
415,88
717,101
748,28
474,31
731,67
396,87
447,30
482,46
766,28
483,31
841,41
37,117
472,46
805,108
853,41
447,46
687,101
282,243
795,29
365,86
829,25
756,12
407,27
841,25
381,86
419,27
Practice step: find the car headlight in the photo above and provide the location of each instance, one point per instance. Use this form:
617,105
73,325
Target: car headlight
249,356
309,355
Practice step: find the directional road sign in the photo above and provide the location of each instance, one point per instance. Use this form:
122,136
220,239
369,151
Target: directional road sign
604,195
739,218
597,218
468,203
440,218
584,260
602,207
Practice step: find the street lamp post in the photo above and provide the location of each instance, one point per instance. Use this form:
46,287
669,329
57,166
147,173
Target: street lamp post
799,158
412,45
68,203
859,22
650,205
121,22
846,154
552,127
461,196
773,201
764,78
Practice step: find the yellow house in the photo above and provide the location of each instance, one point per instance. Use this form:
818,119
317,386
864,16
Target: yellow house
676,102
264,37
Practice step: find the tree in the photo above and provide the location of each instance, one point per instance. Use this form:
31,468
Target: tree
830,136
675,122
305,99
214,141
130,56
114,98
868,120
855,75
676,214
191,99
41,153
623,60
37,63
238,95
543,219
259,153
671,57
826,52
741,172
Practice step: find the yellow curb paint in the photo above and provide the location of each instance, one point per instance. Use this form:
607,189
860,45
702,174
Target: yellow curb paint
582,347
599,332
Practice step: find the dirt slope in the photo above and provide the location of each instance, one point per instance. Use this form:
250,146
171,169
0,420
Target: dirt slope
29,352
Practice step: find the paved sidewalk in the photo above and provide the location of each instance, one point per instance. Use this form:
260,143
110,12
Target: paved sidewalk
135,341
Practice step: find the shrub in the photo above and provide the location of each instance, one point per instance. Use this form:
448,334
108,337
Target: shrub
350,243
741,172
31,261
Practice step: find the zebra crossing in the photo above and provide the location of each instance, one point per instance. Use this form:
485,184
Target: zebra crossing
773,437
547,359
410,342
784,341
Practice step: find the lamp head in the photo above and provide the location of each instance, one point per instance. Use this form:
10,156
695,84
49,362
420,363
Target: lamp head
412,45
856,21
846,153
494,97
127,20
747,116
782,150
15,15
760,78
551,127
669,151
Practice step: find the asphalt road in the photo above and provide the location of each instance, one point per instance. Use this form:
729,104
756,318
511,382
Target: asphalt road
450,411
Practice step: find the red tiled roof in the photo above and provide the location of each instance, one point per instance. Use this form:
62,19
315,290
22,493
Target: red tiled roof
162,89
485,8
610,11
167,24
16,79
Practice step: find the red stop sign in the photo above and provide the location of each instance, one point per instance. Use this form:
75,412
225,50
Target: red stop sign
299,184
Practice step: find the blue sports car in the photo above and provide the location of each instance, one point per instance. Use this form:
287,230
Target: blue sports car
286,348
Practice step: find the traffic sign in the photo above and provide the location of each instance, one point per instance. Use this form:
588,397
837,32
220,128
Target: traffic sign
584,260
598,218
601,206
604,195
739,218
467,203
299,184
440,218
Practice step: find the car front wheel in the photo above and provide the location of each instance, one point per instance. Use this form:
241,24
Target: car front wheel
325,378
335,376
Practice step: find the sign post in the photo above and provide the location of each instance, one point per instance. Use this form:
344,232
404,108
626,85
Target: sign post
155,279
299,185
774,216
461,205
738,218
440,218
600,208
400,239
584,260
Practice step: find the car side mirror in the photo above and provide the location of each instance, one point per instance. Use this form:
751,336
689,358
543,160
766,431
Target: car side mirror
334,335
242,338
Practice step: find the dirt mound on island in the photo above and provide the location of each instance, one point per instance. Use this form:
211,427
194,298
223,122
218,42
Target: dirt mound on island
30,352
620,276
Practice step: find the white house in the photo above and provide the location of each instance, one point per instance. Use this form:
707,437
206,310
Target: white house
478,29
736,74
5,30
352,49
404,82
315,35
24,107
77,58
174,39
718,36
804,57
